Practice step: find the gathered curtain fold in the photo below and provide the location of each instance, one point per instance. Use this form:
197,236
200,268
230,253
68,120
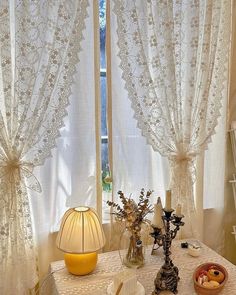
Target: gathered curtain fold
40,41
174,57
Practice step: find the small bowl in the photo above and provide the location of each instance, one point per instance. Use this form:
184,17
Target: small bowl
194,251
200,289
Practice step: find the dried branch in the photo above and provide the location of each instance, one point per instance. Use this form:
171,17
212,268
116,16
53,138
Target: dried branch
132,213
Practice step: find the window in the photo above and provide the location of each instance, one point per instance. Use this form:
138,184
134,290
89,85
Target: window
104,131
106,184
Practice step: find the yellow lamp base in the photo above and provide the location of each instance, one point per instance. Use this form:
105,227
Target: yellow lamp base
81,264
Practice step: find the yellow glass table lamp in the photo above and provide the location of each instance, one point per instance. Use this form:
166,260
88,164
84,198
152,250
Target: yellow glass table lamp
80,237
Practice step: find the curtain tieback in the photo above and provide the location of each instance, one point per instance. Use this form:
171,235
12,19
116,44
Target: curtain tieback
15,170
183,168
182,157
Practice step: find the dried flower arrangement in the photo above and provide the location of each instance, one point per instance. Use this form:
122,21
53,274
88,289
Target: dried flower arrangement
133,214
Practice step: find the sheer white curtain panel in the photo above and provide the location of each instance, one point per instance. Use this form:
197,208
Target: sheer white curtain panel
134,163
68,178
173,57
40,41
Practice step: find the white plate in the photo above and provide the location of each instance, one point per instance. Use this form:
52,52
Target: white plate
140,289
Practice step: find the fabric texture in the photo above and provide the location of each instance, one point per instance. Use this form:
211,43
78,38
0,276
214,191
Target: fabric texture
174,59
63,283
40,42
68,178
134,164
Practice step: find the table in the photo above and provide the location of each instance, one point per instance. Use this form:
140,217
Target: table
63,283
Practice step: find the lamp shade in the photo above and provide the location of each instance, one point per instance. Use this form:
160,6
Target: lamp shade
80,231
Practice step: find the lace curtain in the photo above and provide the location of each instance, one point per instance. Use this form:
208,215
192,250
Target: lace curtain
68,178
173,56
40,41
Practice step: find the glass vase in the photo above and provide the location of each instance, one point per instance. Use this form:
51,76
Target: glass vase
132,246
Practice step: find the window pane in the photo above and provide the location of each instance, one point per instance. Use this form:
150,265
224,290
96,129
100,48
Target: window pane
105,167
103,106
106,183
102,19
104,139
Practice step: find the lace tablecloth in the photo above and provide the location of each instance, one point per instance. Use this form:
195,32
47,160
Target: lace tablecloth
63,283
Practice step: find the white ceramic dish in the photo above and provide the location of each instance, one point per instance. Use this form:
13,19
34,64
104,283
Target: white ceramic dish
140,289
194,251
